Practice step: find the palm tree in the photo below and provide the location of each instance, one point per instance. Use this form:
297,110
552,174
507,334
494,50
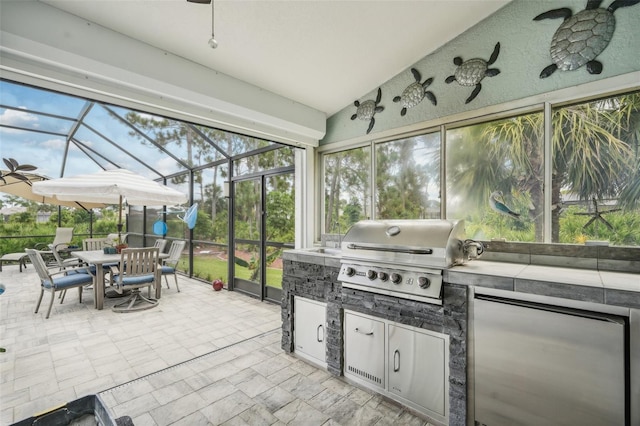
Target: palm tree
594,149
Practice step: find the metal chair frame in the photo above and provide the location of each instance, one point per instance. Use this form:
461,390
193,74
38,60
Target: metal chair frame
94,243
170,264
63,236
138,268
160,244
60,280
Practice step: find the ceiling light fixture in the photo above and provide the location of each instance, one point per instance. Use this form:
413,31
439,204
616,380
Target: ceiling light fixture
212,42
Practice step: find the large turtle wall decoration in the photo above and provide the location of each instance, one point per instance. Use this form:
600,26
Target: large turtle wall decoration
581,37
471,72
415,93
367,109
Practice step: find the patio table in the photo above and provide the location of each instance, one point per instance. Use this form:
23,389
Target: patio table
99,258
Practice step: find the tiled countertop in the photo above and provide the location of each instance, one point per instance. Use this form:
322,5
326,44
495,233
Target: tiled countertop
589,285
551,274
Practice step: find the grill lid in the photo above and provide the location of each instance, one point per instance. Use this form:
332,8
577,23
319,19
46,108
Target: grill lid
426,242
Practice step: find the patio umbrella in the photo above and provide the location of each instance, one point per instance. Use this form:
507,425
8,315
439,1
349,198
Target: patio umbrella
111,187
23,188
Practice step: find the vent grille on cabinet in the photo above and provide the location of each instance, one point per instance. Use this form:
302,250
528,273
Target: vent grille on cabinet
364,374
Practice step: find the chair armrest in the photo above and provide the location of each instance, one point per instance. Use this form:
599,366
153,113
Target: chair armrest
114,269
71,268
54,271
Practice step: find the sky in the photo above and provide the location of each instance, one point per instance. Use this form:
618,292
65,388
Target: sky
46,150
44,111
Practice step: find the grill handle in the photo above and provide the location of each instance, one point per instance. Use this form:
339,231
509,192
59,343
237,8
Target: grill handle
390,249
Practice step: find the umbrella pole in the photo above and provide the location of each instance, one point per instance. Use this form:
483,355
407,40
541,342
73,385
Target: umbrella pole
120,221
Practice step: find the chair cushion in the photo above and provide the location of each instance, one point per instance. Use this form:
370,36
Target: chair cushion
72,280
168,270
140,279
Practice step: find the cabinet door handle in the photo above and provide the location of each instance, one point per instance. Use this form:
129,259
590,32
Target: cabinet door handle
396,360
357,330
320,333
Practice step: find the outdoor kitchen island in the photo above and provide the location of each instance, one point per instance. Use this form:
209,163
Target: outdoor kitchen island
312,275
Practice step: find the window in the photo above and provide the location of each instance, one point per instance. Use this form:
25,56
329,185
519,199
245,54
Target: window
596,180
495,164
408,178
594,184
347,189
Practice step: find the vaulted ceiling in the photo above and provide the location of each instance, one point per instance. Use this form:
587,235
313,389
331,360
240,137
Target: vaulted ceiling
320,53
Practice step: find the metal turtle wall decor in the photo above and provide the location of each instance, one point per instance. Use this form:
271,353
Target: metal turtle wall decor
367,109
471,72
415,93
581,37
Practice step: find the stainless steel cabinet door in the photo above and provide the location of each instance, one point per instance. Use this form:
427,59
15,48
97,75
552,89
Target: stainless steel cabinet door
309,319
540,365
417,367
364,349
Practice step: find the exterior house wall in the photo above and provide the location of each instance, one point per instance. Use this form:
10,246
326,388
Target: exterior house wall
524,53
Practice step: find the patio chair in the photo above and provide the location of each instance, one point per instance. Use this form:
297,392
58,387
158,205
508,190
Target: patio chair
63,236
61,262
19,258
170,264
95,243
89,244
160,244
58,280
138,268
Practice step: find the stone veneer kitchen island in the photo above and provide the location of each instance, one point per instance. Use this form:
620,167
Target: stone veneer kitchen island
313,273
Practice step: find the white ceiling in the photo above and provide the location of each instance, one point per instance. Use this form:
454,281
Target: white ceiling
321,53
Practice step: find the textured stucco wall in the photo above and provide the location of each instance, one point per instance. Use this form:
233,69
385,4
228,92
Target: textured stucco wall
524,53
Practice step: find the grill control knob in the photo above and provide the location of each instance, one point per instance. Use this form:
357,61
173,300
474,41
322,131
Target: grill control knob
383,276
396,278
371,274
424,282
350,271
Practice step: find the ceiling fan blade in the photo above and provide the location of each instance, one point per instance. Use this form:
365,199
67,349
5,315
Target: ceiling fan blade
200,1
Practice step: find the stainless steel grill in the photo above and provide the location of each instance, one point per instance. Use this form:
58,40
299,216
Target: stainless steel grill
404,258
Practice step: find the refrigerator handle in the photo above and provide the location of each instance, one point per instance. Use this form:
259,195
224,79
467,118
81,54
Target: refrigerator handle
553,308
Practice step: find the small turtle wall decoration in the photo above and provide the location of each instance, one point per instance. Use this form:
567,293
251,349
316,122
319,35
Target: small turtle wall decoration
367,109
471,72
415,93
581,37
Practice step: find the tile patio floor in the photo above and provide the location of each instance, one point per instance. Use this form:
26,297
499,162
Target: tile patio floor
201,357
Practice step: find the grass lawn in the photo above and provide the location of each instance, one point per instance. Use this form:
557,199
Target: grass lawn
209,269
